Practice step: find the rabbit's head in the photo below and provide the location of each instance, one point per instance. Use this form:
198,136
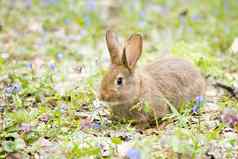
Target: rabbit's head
121,84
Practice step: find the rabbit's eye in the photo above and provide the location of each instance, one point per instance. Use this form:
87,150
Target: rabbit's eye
119,81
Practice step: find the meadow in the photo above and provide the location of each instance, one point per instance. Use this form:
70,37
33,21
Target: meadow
53,56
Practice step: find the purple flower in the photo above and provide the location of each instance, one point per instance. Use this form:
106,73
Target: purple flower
91,5
196,17
142,14
29,65
199,100
12,89
64,107
28,3
96,126
8,90
142,23
230,116
133,153
104,150
44,118
25,127
66,21
83,32
51,65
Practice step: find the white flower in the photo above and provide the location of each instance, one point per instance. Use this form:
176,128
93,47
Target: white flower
234,46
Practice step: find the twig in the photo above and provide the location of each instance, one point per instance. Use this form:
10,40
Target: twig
229,89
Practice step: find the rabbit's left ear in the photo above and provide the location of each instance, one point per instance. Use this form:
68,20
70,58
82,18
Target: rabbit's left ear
132,51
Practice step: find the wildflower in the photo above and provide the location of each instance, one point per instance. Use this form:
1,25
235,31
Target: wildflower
196,17
29,65
60,56
87,21
12,89
195,109
83,32
25,127
96,125
44,118
199,100
104,149
141,23
28,3
230,116
133,153
44,142
64,107
51,65
66,21
91,5
142,14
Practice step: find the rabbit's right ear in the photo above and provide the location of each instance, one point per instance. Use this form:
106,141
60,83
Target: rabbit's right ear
113,46
132,51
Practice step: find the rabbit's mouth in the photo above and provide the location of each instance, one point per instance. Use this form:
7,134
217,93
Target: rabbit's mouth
113,103
120,103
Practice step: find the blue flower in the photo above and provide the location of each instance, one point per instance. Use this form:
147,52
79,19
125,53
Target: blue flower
60,56
83,32
66,21
64,107
195,109
51,65
16,88
199,100
142,14
142,23
91,5
96,125
196,17
133,153
29,65
12,89
87,21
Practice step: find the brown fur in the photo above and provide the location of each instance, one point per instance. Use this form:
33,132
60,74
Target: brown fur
167,80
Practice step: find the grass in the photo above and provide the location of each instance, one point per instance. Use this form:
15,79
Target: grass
53,56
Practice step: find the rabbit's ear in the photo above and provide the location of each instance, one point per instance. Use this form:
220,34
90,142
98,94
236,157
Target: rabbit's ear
113,46
132,50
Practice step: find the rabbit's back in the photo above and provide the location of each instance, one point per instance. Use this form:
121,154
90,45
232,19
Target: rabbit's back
176,79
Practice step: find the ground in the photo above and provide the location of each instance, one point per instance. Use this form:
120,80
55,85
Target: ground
53,56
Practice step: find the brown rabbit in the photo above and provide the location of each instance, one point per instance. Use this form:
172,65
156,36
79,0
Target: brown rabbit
166,81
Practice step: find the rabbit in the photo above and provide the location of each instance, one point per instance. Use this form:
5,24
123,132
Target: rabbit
159,84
